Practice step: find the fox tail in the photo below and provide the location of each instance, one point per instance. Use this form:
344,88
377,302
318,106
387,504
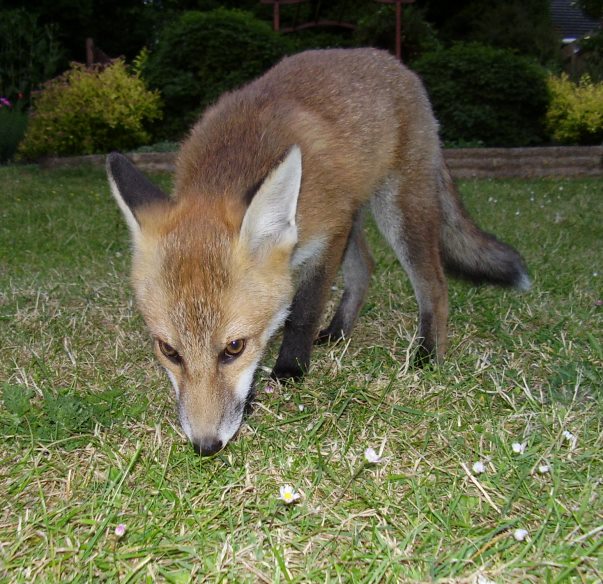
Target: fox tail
473,254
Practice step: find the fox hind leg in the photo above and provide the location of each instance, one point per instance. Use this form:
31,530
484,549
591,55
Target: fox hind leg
357,268
411,225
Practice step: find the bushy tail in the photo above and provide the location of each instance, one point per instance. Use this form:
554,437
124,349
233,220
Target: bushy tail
470,253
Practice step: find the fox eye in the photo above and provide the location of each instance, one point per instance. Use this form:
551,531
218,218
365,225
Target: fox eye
169,352
233,350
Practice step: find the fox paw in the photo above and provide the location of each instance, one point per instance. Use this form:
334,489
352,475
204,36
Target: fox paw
328,335
285,373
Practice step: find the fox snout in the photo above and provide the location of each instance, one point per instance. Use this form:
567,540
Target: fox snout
211,414
207,446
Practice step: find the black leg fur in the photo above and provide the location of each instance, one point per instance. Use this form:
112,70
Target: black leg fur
294,356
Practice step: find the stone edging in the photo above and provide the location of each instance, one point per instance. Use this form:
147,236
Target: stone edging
560,161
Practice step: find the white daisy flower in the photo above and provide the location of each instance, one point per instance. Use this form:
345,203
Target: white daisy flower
288,495
371,456
520,534
478,467
518,447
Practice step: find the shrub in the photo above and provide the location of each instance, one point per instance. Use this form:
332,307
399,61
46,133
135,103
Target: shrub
575,115
12,127
487,95
203,54
87,111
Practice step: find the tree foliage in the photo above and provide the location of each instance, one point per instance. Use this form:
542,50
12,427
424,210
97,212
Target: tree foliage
521,25
29,54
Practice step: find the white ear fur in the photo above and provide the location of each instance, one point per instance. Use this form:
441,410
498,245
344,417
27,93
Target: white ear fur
270,219
131,220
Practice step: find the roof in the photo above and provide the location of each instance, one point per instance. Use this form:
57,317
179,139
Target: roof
570,22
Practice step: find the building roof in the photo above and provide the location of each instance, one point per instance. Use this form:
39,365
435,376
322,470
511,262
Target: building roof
570,22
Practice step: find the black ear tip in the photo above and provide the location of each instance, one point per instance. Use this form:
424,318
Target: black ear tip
116,160
134,188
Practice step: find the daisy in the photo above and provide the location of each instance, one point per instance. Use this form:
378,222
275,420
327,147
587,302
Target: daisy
518,447
478,467
520,534
371,456
288,495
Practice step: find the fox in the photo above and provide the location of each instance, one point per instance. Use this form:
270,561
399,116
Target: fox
271,190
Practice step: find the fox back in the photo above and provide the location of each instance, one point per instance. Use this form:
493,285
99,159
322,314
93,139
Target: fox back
270,191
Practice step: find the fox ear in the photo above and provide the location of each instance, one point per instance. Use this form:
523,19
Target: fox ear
131,189
270,218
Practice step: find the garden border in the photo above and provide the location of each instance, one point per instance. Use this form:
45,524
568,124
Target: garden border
553,161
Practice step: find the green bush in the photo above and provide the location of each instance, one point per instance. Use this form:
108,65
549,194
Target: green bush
12,127
203,54
575,115
88,111
486,95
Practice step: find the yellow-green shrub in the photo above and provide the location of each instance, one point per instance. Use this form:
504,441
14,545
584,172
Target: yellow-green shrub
88,111
575,114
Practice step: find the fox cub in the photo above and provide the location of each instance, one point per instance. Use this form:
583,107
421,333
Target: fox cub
271,189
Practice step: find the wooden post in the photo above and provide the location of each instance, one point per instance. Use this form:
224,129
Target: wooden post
399,30
89,52
398,4
276,24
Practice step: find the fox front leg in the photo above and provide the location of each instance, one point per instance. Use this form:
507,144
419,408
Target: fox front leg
301,327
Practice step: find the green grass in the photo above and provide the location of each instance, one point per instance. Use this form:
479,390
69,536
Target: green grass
91,437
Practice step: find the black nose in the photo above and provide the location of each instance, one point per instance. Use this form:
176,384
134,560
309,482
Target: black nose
207,447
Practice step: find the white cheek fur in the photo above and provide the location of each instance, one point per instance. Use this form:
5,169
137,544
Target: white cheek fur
231,424
186,426
244,383
174,382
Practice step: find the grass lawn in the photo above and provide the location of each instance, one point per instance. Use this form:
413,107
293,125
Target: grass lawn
90,436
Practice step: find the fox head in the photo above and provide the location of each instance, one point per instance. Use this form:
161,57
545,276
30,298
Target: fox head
212,279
